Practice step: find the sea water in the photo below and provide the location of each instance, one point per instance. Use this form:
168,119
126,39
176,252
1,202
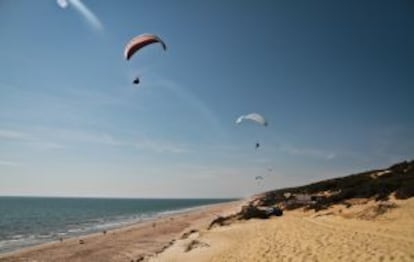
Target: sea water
26,221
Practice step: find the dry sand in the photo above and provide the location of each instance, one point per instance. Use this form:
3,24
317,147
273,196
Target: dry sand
337,234
125,244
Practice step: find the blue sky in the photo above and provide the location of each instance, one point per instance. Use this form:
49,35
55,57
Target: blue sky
334,79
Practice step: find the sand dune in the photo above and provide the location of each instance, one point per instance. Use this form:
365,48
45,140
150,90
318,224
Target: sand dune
306,236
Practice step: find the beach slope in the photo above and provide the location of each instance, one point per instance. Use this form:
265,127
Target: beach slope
333,235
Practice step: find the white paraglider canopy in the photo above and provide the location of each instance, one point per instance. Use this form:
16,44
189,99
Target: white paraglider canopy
255,117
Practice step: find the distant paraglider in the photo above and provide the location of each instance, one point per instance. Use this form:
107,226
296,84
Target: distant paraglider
136,81
258,178
139,42
62,3
255,117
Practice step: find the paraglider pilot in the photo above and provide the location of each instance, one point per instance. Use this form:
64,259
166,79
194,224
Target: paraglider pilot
136,81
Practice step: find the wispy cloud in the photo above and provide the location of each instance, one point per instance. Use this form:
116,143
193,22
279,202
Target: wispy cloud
161,146
86,137
308,152
102,138
8,163
182,93
44,145
80,7
12,135
46,138
141,143
30,139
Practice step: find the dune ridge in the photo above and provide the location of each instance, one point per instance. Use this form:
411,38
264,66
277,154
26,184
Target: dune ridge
361,217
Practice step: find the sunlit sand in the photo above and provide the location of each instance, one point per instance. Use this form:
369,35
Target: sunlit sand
306,236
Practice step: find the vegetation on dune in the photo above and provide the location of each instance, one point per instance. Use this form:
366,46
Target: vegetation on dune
376,184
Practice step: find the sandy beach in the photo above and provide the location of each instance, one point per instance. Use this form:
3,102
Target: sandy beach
336,234
130,243
332,235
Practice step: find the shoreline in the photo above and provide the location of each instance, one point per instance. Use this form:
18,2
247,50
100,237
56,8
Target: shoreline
356,233
154,234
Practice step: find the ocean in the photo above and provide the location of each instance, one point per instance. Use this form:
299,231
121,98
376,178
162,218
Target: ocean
27,221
